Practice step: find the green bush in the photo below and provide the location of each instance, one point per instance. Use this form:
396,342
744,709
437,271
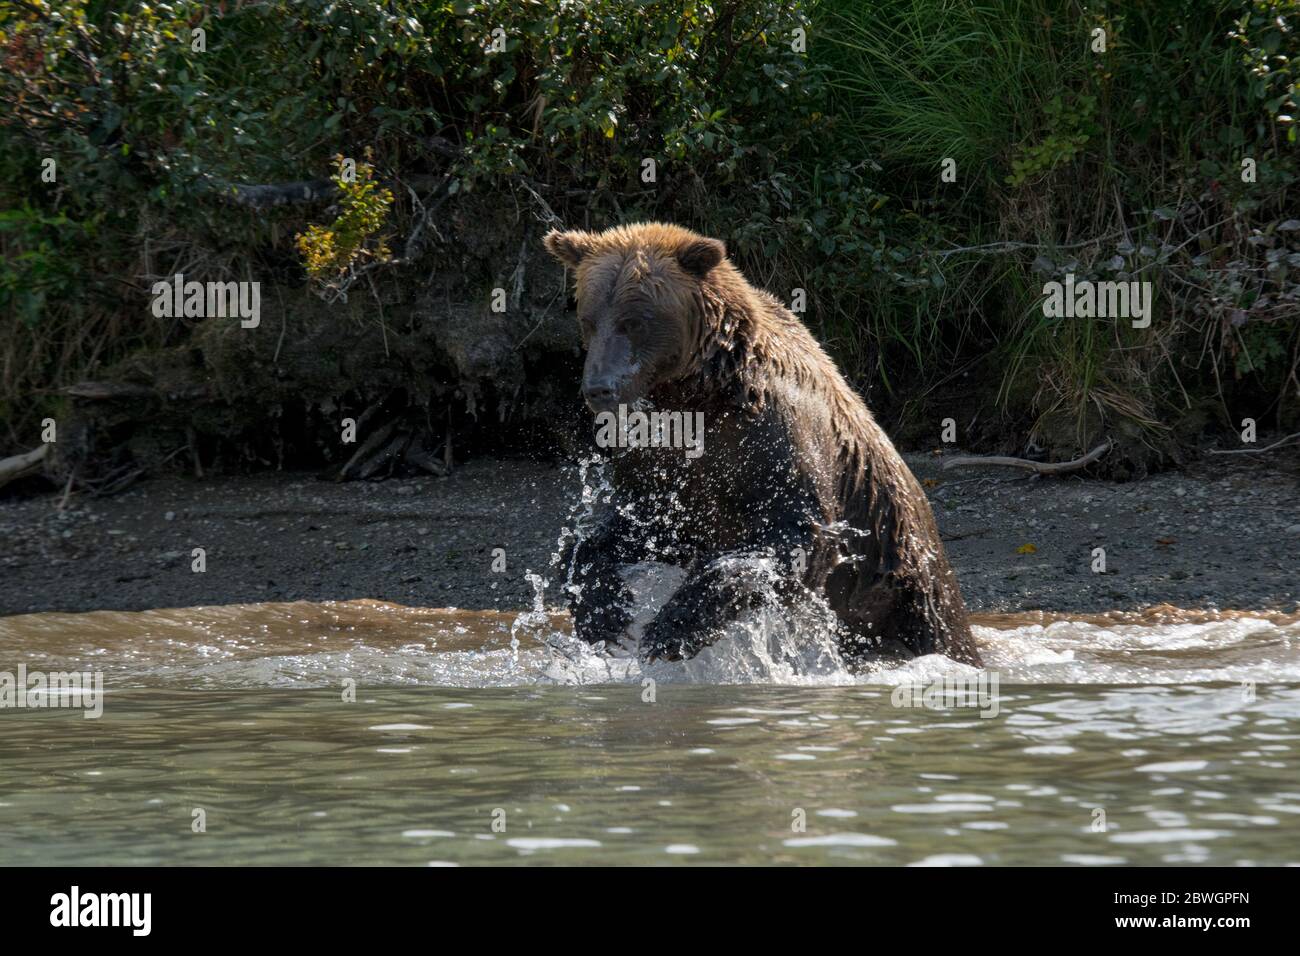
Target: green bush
821,168
1109,162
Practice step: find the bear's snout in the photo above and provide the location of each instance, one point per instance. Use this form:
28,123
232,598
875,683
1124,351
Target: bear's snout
601,394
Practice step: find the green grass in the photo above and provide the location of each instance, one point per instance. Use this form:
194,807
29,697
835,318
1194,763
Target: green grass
1067,153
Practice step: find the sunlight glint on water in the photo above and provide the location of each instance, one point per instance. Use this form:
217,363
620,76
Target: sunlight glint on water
239,710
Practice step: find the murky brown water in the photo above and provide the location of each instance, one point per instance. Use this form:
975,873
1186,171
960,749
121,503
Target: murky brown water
1166,737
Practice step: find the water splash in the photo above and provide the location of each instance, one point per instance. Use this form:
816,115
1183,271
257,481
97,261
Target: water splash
374,643
377,644
777,643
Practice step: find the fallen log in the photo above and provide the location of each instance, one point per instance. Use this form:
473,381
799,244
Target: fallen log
269,195
278,194
376,447
419,456
1039,467
18,466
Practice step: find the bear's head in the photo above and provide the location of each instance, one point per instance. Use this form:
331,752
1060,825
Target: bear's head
639,305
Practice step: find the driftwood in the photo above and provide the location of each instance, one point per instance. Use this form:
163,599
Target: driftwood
17,466
1038,467
374,448
390,446
420,456
1252,451
388,455
117,480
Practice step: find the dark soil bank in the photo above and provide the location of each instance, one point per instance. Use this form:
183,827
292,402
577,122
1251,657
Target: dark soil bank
1225,534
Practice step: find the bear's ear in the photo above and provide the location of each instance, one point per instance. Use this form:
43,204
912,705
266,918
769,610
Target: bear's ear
699,256
569,247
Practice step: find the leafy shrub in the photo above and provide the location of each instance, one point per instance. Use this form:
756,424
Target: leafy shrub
821,168
330,251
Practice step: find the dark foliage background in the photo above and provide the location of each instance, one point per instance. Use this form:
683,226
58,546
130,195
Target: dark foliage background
477,126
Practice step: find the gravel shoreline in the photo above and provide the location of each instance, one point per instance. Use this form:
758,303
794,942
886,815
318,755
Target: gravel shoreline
1224,533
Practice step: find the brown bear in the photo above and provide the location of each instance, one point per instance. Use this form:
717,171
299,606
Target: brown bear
793,465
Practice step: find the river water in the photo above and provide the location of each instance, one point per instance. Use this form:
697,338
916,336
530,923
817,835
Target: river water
361,732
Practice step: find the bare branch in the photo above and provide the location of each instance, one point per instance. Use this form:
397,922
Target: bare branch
1039,467
1253,451
264,196
16,466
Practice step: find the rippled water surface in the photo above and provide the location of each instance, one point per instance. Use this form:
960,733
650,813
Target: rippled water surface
476,737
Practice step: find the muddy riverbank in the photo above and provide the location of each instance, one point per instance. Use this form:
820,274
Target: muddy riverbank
1225,533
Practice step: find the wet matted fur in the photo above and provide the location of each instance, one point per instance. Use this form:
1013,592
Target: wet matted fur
794,466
